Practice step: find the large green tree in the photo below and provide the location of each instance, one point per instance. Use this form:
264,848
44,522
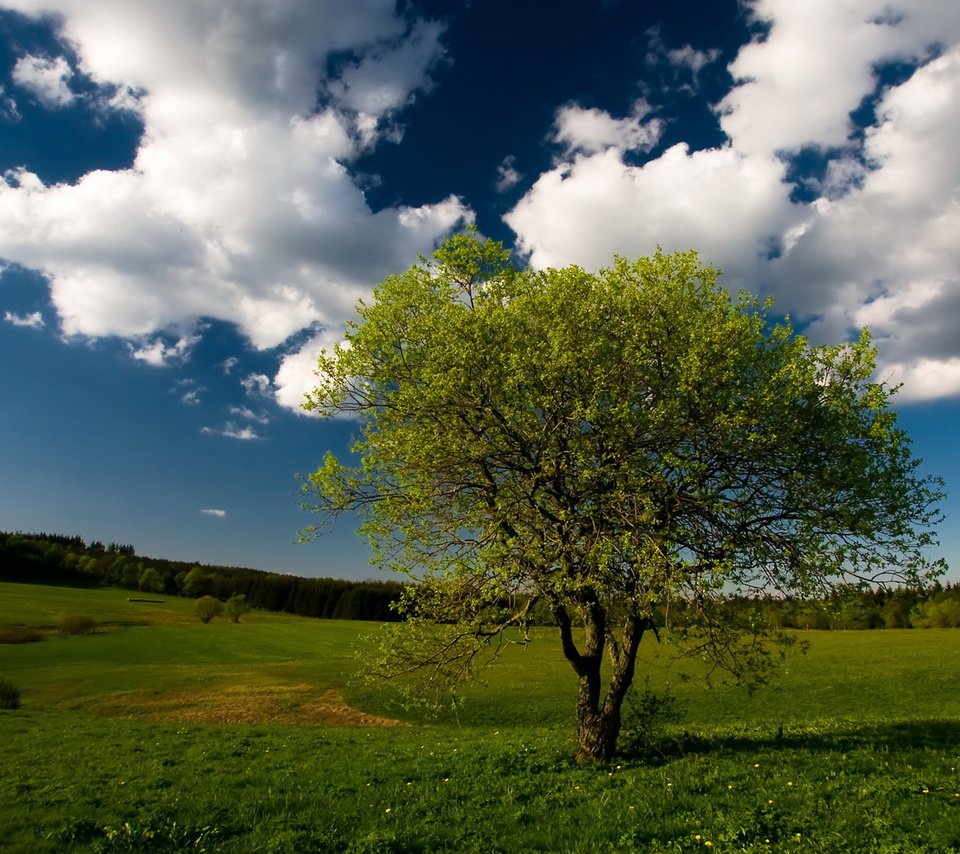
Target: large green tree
607,444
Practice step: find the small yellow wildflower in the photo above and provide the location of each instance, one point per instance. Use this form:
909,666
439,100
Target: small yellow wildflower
789,782
388,809
708,844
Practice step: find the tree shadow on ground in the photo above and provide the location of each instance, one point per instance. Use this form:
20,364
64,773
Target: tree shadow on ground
897,736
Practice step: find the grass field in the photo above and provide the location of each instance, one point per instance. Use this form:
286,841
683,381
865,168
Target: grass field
159,733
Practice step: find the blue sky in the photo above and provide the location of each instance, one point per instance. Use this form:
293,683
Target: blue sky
194,195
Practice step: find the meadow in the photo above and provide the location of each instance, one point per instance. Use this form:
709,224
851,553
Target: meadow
160,733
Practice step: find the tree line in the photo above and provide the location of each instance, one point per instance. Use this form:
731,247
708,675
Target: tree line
56,558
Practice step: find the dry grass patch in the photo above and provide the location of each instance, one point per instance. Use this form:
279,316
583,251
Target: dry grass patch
304,705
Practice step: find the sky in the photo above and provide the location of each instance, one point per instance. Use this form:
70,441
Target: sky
195,193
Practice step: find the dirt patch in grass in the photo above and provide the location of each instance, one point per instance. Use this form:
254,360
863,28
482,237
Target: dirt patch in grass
236,704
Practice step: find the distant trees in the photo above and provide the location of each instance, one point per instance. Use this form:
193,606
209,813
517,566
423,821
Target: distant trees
53,558
236,607
207,608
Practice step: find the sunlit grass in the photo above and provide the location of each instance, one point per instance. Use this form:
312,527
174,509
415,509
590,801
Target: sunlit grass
855,747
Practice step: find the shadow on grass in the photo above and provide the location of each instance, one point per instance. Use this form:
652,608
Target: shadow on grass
897,736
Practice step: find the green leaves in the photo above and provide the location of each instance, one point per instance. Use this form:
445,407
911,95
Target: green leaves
613,441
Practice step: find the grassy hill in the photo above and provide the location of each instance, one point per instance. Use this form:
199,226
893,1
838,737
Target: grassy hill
158,732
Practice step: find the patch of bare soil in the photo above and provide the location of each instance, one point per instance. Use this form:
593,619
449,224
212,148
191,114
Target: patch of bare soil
239,704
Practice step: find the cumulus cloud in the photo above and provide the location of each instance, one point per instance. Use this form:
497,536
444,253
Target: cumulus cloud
34,320
297,373
727,205
48,80
387,77
210,511
239,204
591,130
876,244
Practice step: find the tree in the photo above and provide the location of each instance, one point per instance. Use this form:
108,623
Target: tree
608,444
150,580
207,608
236,607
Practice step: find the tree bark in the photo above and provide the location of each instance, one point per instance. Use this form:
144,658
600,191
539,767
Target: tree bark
599,717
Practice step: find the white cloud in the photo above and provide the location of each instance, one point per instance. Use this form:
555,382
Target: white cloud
507,174
688,57
591,130
214,512
231,431
238,205
297,374
878,245
249,414
192,397
48,80
229,364
8,107
800,82
885,254
388,76
727,205
682,65
256,385
34,320
157,352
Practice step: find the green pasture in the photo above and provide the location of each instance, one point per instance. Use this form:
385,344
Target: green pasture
160,733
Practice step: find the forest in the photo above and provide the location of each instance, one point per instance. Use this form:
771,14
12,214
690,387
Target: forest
58,559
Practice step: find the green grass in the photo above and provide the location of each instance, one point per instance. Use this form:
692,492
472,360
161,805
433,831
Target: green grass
856,747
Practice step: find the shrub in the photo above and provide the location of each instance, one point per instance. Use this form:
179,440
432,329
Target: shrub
645,718
77,624
207,608
9,695
19,634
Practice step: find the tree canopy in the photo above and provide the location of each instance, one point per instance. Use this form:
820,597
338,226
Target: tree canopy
602,444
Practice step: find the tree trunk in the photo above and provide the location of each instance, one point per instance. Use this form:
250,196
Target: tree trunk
599,719
597,735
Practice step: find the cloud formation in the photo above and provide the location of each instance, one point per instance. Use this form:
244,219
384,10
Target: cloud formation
239,204
48,80
214,512
876,244
230,430
34,320
590,131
